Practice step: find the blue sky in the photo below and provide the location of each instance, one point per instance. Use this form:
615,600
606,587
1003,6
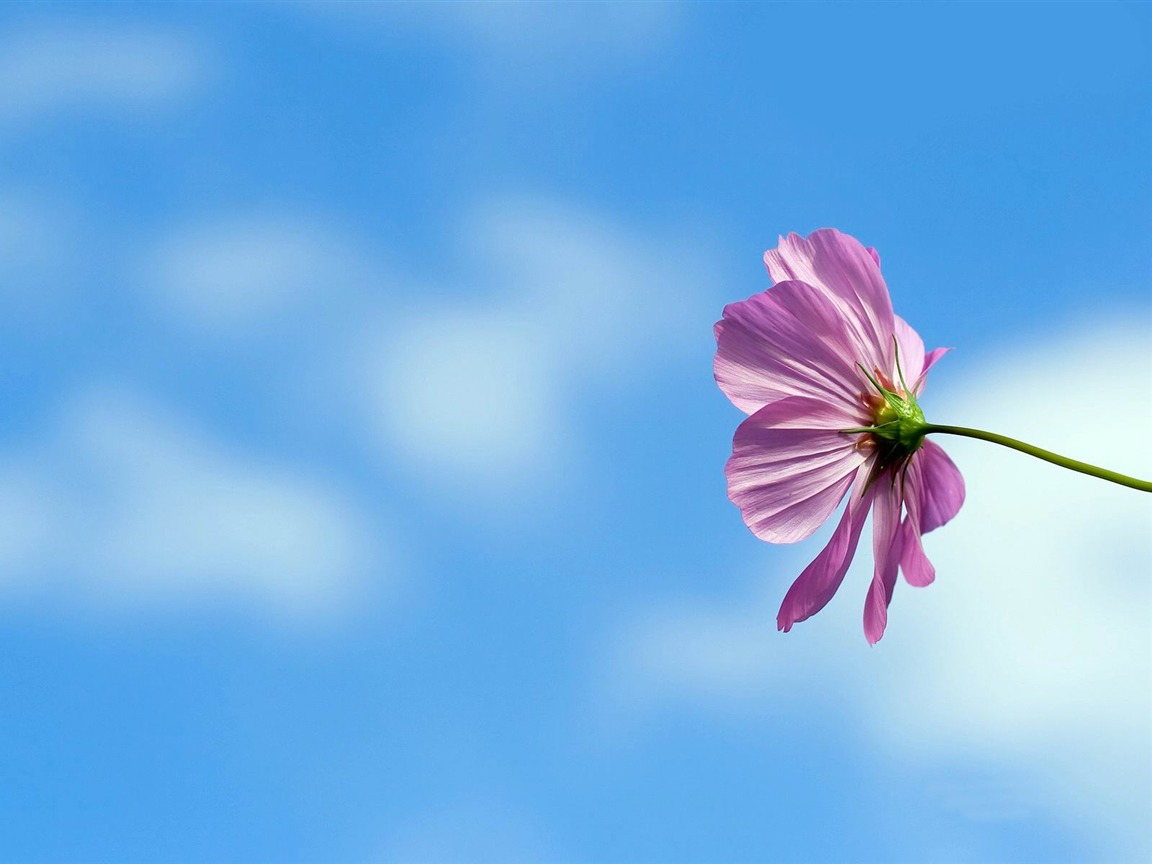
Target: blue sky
361,491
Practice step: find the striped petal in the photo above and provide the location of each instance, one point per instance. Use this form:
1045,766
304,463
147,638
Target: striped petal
911,352
840,266
886,545
818,583
791,340
941,486
918,570
790,466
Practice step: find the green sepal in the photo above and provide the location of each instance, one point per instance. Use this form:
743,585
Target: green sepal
900,420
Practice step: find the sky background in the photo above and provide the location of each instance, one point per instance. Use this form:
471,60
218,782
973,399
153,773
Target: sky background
361,492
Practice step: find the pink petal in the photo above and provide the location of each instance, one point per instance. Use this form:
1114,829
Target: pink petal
886,547
790,466
942,488
839,265
871,250
911,353
791,340
818,583
929,361
918,570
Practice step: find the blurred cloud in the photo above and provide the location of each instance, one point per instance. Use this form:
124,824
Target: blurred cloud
255,275
468,396
35,231
610,299
64,69
1031,655
484,396
474,382
129,505
560,42
484,831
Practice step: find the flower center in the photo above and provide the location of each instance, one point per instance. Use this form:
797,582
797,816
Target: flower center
882,412
898,424
899,419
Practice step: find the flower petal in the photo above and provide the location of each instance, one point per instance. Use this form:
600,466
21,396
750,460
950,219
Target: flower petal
911,352
929,361
886,547
790,466
841,266
818,583
942,489
918,570
791,340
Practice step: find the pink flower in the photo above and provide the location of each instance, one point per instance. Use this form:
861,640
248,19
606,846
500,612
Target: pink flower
809,358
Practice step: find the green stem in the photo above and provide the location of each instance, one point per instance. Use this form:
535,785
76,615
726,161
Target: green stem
1039,453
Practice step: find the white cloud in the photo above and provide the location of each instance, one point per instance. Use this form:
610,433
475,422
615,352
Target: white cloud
559,43
608,300
1031,656
129,68
473,388
130,506
477,831
467,394
483,396
255,275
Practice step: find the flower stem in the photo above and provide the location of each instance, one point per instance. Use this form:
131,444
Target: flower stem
1040,453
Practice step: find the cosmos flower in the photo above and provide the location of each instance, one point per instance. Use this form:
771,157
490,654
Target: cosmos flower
829,377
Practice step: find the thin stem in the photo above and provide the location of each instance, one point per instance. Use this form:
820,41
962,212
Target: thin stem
1040,453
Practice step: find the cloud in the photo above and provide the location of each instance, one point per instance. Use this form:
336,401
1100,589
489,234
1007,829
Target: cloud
466,395
1031,655
478,831
256,275
81,68
472,383
610,300
559,42
485,396
129,505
